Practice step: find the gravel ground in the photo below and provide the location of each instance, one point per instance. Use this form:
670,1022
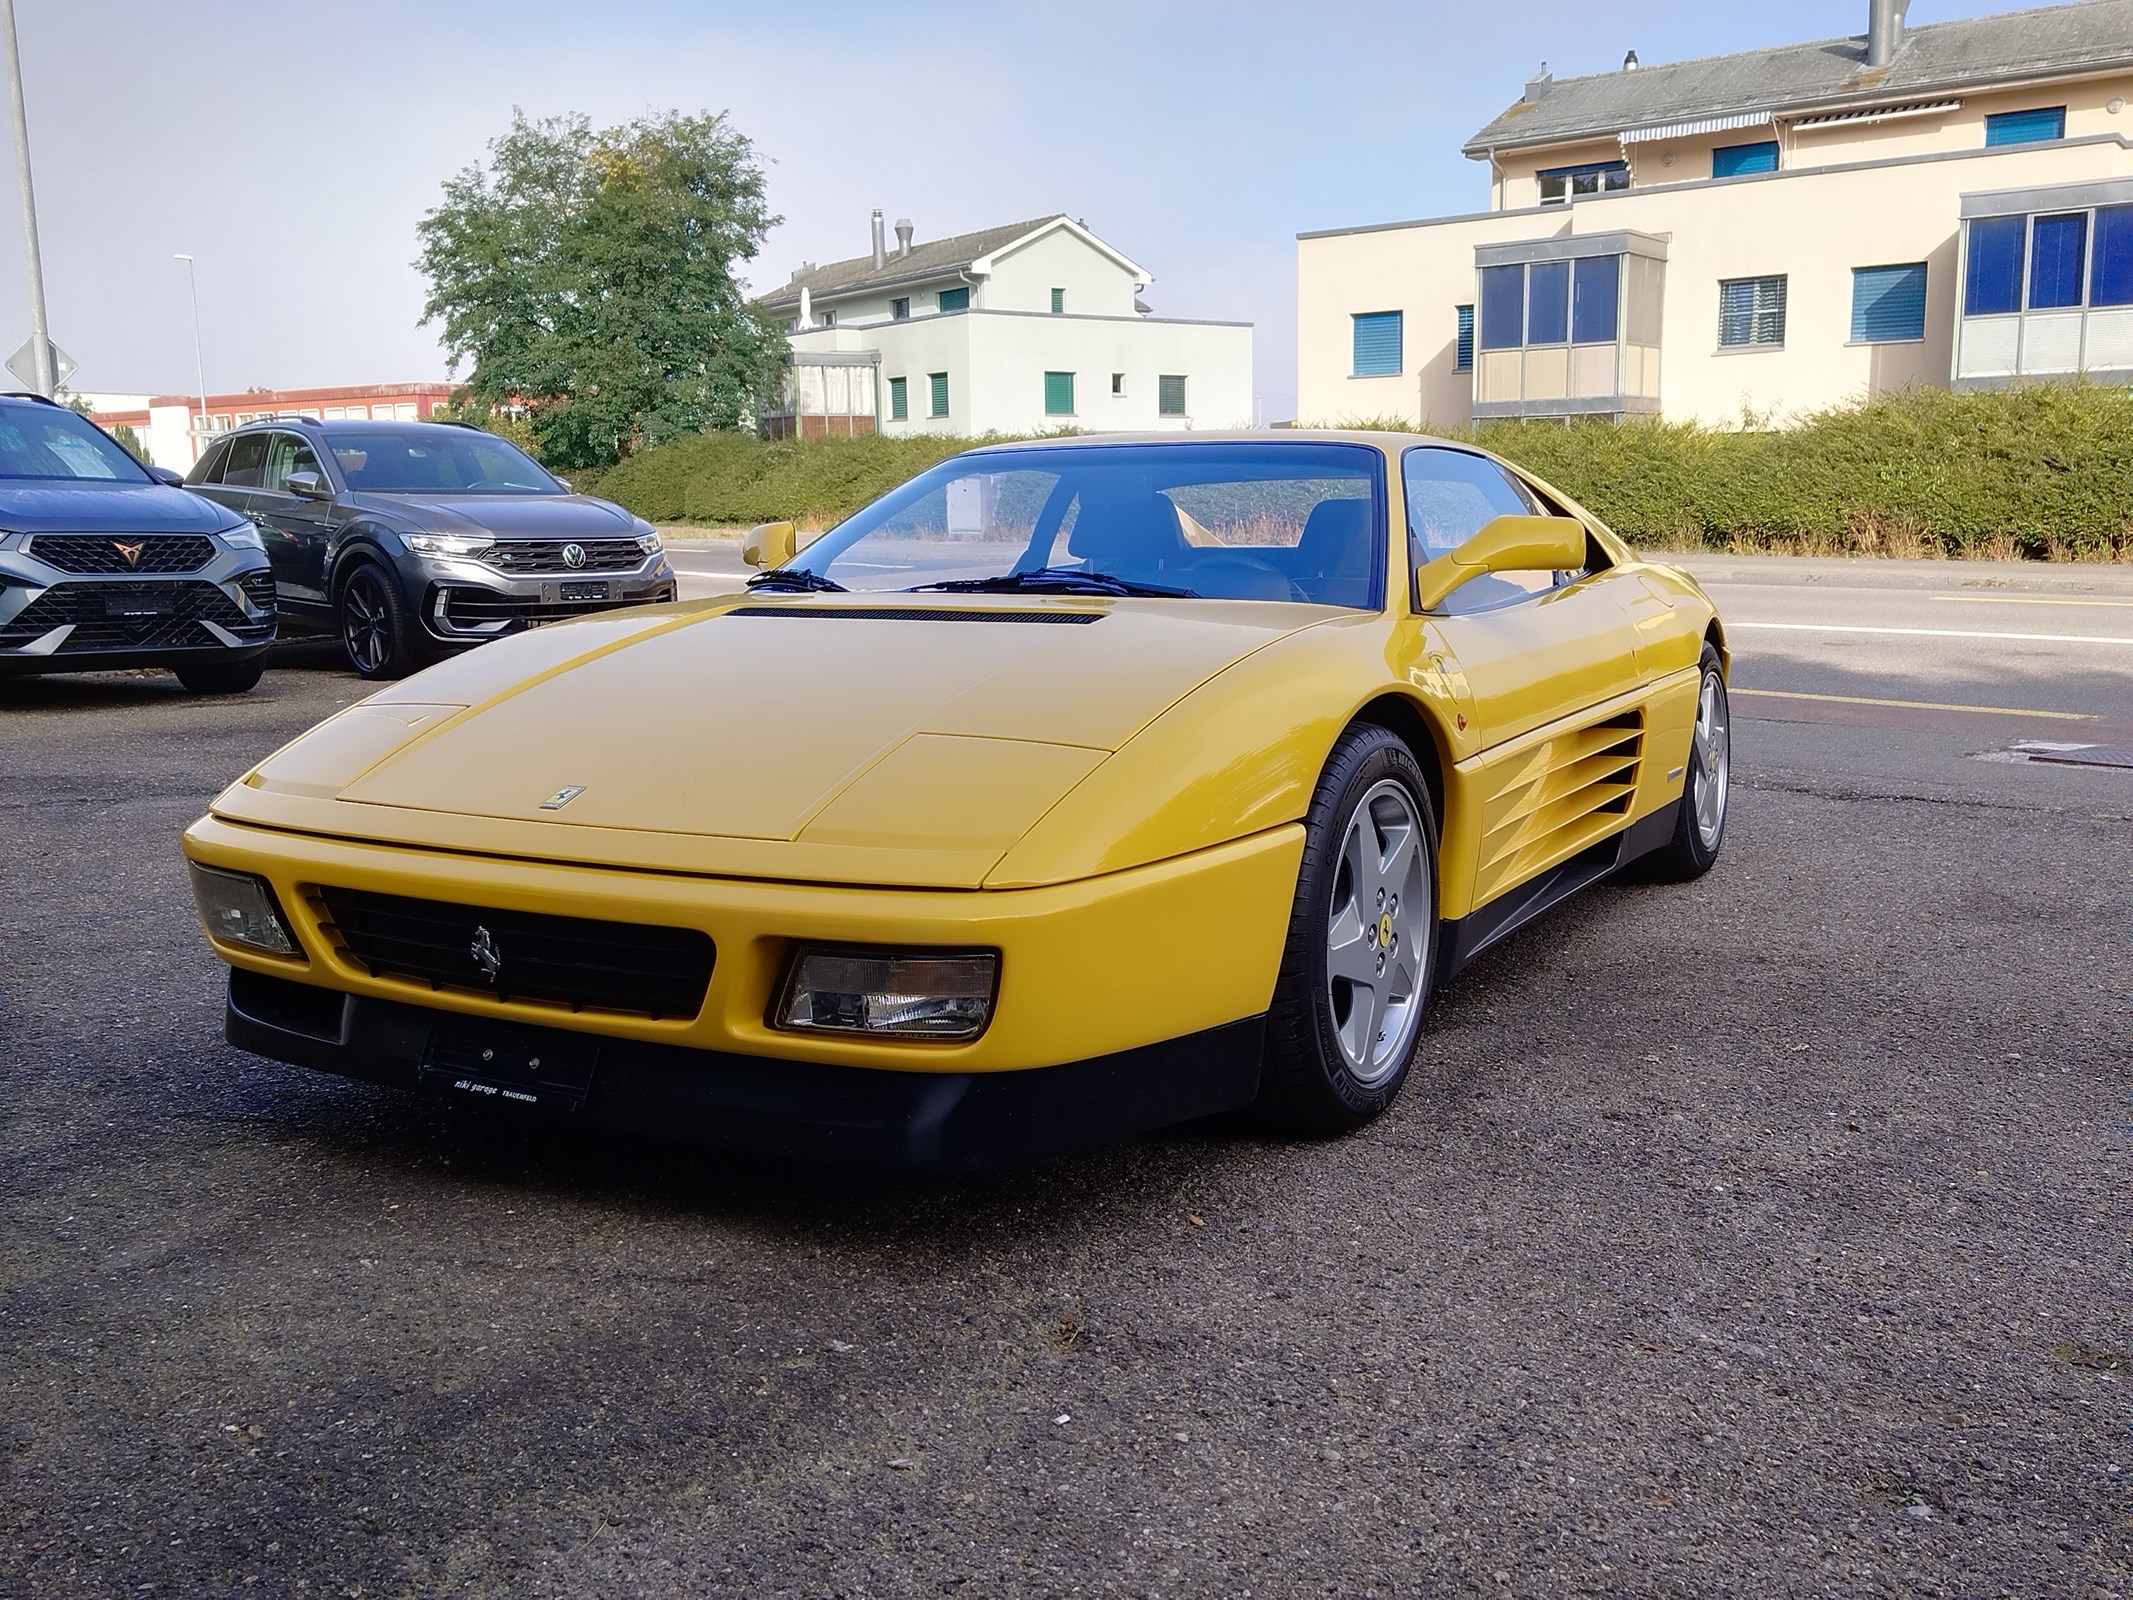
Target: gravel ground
1764,1236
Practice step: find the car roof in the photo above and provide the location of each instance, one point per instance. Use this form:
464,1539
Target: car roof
347,424
1382,438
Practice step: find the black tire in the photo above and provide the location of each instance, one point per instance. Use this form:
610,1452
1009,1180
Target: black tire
1308,1082
1694,845
378,635
222,677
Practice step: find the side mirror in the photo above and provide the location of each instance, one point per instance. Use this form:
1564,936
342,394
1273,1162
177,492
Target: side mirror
771,544
565,482
163,475
307,486
1508,544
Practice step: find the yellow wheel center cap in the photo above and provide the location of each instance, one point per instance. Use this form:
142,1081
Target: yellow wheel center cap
1385,928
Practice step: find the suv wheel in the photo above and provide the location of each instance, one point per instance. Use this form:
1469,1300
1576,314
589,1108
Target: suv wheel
378,635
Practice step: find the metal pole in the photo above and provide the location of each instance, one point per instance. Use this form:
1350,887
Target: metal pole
40,332
192,282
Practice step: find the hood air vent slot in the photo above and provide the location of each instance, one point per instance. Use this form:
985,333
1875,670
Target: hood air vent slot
913,614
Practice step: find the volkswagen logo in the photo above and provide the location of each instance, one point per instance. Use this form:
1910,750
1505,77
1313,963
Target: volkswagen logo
573,556
486,955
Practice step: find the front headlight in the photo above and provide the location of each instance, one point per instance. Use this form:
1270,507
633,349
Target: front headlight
444,544
242,537
9,541
650,543
912,994
238,908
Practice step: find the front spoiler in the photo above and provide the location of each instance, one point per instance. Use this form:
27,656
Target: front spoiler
938,1121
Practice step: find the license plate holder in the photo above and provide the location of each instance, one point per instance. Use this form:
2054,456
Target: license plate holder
137,603
499,1061
584,591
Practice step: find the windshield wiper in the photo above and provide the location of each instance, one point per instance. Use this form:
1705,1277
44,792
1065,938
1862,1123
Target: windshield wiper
795,578
1057,580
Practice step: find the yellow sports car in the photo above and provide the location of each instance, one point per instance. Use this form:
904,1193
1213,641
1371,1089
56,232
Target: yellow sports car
1072,788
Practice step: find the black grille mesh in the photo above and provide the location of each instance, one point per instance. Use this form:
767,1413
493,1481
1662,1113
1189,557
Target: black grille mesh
467,608
103,552
87,607
546,555
578,962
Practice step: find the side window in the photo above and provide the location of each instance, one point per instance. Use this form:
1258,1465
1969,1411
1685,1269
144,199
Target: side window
1451,495
210,468
245,466
287,453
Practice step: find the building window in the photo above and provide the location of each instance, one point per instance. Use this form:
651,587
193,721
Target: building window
1059,394
900,309
1737,160
1118,385
899,399
954,299
827,319
1463,342
2058,248
1888,303
1503,307
1170,395
1377,344
937,394
1058,301
1550,302
2025,127
1559,185
1751,311
1993,279
1595,300
2111,257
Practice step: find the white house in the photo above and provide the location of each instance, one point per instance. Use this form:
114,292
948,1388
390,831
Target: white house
1021,329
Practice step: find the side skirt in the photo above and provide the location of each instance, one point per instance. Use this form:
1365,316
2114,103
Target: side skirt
1468,936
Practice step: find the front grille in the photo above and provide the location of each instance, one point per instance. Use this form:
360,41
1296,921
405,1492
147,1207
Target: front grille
471,608
546,555
106,552
578,962
185,606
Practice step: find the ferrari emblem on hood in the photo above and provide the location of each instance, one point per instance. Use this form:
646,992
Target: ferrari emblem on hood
562,797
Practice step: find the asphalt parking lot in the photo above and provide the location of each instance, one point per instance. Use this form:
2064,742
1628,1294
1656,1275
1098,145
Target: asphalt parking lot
1769,1235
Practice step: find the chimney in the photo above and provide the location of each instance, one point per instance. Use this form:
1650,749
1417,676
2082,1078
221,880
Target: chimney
903,236
881,252
1629,62
1539,84
1884,30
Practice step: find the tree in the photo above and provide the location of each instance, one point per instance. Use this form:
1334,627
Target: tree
589,276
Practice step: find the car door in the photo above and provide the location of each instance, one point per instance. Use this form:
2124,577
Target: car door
230,471
298,531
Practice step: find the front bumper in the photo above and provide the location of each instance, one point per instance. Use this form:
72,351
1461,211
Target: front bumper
57,620
465,602
942,1121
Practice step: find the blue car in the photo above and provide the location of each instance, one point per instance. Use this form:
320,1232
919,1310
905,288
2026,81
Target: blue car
105,563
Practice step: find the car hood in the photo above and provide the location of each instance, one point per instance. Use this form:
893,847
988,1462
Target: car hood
107,508
791,737
505,516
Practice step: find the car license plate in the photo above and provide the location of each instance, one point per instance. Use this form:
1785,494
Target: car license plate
497,1061
137,603
584,591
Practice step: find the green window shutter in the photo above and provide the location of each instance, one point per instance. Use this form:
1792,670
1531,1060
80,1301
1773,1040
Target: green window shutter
899,400
937,383
954,299
1170,395
1058,301
1059,394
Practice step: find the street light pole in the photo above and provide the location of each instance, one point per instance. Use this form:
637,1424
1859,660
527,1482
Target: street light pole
40,331
192,282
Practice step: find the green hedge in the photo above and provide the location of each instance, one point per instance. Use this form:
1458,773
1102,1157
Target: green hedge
2042,471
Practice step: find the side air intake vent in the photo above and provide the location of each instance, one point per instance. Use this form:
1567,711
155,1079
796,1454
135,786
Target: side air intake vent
912,614
1558,798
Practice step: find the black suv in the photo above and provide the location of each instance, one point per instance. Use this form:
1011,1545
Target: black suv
408,539
106,563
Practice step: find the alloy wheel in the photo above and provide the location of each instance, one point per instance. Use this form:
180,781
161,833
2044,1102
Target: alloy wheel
366,621
1711,751
1378,934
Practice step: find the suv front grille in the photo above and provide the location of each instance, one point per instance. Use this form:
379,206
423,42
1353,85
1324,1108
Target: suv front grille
471,608
171,619
546,555
577,962
106,552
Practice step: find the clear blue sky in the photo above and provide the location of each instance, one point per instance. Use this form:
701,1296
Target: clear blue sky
291,147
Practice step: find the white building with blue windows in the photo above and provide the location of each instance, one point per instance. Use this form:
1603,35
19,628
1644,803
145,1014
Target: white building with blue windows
1758,235
1028,328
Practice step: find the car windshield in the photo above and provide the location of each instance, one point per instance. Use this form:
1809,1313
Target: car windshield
50,442
1296,520
436,460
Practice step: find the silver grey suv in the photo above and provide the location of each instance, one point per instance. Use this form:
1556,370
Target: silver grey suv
410,539
106,563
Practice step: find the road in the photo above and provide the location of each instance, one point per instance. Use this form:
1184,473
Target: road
1767,1235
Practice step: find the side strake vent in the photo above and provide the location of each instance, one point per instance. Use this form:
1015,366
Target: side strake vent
1558,798
912,614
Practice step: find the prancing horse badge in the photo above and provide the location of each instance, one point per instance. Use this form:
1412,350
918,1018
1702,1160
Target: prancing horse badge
562,797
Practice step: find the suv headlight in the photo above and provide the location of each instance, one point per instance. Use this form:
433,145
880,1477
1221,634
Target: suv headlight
243,536
444,544
912,994
238,908
650,543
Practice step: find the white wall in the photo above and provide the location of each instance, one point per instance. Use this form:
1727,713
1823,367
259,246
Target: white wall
1023,279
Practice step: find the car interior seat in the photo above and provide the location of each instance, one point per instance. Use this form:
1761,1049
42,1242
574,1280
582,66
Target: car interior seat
1332,564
